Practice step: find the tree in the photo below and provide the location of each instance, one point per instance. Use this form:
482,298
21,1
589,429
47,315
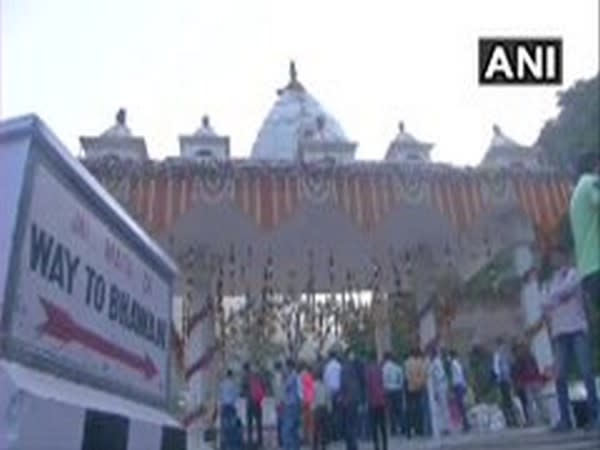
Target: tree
575,130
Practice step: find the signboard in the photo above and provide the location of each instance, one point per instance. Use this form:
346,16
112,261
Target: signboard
83,301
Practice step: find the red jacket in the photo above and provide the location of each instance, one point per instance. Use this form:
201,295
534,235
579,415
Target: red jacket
526,371
375,390
308,389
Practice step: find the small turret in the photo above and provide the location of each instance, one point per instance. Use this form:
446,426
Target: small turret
205,143
404,147
504,151
117,141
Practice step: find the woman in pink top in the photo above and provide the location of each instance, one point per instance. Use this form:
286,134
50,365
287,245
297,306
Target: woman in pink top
308,394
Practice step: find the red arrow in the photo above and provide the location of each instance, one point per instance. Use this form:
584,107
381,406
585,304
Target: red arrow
60,325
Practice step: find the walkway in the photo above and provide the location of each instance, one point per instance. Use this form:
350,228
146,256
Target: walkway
520,439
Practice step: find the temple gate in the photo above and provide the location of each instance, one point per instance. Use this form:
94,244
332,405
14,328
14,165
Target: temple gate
256,229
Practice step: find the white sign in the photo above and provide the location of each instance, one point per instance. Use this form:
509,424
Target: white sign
87,306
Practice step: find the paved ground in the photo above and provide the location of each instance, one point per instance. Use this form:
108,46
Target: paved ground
520,439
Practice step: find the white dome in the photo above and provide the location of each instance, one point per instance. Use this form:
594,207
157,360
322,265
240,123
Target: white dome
296,114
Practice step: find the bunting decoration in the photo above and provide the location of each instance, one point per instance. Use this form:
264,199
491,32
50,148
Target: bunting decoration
317,181
497,189
411,188
158,193
448,255
216,181
397,290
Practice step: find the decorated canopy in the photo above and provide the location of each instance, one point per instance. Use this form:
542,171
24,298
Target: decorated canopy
359,214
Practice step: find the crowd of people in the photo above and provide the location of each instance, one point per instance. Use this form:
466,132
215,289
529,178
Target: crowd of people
347,398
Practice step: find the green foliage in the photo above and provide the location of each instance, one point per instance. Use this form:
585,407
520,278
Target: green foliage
575,130
361,336
495,280
480,375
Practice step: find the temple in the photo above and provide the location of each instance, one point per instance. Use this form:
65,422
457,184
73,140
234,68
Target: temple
303,222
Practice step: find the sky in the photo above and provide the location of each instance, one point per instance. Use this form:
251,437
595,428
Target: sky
369,63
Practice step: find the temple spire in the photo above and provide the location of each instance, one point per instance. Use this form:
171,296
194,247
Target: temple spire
293,72
121,117
293,84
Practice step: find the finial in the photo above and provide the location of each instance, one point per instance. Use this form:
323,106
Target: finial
401,126
293,84
205,121
496,130
293,72
121,116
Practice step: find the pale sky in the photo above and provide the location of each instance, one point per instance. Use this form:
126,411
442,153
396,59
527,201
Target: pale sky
370,64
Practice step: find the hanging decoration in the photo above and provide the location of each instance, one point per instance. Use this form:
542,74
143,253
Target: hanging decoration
333,305
316,180
216,180
220,307
448,256
397,289
310,294
232,266
411,187
176,183
496,189
408,264
487,246
186,307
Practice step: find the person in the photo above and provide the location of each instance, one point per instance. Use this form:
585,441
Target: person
439,392
584,216
321,407
376,403
459,388
529,382
254,393
228,396
291,407
564,309
416,381
393,381
278,395
363,427
307,384
479,366
501,369
350,395
332,378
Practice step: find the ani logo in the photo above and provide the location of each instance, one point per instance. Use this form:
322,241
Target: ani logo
514,61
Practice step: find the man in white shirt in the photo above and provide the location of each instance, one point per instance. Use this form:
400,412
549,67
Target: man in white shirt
501,368
332,377
438,393
564,310
393,382
333,374
459,388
